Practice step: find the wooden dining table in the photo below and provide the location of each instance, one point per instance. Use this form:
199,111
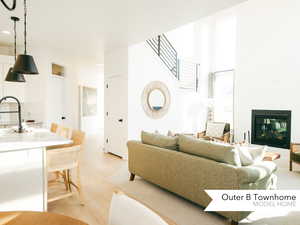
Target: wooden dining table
37,218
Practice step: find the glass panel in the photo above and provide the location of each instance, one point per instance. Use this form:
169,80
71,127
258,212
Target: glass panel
271,129
156,100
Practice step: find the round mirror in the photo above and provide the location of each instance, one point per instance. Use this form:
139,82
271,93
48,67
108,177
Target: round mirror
156,100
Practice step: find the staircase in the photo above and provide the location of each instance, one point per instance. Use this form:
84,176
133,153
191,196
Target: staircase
185,71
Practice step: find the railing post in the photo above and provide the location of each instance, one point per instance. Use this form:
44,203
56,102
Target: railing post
158,50
197,76
178,68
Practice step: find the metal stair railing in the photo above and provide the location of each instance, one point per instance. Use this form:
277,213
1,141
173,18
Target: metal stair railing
166,52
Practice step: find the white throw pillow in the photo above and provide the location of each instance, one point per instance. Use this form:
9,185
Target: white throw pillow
215,129
251,155
258,153
245,156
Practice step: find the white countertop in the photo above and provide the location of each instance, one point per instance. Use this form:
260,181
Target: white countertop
10,141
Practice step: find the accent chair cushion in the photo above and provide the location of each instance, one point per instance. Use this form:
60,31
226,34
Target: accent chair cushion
212,150
215,129
160,140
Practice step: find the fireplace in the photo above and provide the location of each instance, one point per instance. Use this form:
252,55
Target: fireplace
271,127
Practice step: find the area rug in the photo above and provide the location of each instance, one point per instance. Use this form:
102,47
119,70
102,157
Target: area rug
184,212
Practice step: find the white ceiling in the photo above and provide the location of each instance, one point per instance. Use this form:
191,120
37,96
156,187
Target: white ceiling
89,27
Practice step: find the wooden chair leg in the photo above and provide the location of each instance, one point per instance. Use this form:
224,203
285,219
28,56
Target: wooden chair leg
132,176
65,180
79,187
69,180
291,165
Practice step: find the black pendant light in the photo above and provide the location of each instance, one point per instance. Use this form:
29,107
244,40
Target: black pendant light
10,8
13,76
25,63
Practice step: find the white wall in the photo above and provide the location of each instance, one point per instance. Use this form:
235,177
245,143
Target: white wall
49,97
268,71
185,113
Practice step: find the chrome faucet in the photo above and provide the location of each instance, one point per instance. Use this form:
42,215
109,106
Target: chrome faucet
20,128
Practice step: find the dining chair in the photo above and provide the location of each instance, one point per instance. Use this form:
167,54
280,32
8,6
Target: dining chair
63,131
64,161
126,210
53,127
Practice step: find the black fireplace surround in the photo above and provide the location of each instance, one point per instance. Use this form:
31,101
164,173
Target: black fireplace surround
271,127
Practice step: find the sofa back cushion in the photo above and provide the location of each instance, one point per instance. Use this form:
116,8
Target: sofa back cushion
211,150
160,140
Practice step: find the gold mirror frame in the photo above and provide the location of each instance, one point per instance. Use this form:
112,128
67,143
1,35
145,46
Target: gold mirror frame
156,85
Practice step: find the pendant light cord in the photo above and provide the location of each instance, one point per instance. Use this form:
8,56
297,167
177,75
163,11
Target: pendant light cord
25,27
9,8
15,30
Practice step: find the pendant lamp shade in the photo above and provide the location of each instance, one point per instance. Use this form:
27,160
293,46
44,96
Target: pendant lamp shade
25,64
14,76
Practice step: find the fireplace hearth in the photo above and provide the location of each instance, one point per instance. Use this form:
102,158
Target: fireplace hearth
271,127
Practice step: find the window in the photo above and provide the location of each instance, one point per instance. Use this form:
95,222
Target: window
223,63
223,96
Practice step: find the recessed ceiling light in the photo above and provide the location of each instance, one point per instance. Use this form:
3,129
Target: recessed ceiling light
5,32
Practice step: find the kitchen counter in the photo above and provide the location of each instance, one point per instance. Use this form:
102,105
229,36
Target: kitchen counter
12,141
13,124
23,168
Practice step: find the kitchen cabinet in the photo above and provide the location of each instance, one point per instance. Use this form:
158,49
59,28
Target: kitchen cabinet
23,169
15,89
22,180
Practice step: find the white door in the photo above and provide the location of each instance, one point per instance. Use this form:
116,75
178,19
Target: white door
115,125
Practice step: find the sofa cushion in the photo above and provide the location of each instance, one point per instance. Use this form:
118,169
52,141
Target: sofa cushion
211,150
160,140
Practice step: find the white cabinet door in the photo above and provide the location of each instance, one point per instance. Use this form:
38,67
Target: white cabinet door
116,116
22,180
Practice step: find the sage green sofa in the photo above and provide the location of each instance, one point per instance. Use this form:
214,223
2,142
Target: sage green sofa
188,174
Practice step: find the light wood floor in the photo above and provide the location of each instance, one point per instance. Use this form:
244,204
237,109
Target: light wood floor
96,166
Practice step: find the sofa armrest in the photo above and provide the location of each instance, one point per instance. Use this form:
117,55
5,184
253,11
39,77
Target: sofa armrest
255,173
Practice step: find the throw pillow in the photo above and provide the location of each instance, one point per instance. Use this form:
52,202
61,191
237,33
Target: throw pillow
215,129
171,134
245,156
251,155
160,140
